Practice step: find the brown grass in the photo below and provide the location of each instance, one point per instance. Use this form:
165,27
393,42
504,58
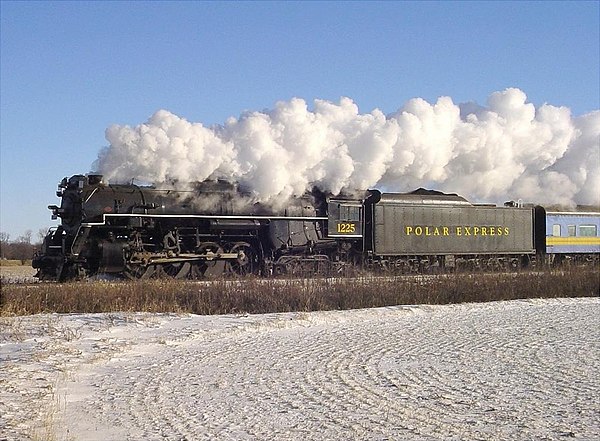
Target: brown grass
263,296
15,262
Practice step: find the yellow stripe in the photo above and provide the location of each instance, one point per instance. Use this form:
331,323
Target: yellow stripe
573,241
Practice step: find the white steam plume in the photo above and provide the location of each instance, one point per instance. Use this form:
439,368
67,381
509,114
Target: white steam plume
507,150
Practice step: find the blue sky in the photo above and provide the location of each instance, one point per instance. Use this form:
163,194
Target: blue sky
71,69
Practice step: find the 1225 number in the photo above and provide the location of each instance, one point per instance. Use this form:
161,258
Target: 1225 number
346,228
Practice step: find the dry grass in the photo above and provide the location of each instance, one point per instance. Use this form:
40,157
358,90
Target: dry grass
15,262
17,274
276,295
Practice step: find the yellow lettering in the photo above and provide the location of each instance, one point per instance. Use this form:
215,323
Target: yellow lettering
436,231
409,230
506,231
346,228
492,231
467,231
458,231
427,232
475,231
419,231
484,231
445,231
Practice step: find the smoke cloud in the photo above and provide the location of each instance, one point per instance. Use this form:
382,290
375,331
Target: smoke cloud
505,150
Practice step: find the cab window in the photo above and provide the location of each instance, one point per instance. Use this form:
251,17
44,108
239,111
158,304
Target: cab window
349,213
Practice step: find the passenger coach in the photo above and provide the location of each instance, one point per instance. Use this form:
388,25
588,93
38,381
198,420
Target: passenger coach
572,235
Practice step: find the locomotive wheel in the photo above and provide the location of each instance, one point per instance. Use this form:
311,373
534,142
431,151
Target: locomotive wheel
247,261
172,271
197,271
135,272
209,268
158,271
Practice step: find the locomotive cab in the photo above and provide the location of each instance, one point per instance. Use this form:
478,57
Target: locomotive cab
345,218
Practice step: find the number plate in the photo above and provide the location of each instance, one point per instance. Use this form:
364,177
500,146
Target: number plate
346,228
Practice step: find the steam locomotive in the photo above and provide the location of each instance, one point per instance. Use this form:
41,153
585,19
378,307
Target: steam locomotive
214,228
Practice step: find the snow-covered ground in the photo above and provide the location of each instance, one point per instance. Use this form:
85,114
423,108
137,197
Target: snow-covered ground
500,371
18,274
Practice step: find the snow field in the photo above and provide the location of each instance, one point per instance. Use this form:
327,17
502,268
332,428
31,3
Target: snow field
503,371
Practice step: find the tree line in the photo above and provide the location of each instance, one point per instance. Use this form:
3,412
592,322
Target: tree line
21,248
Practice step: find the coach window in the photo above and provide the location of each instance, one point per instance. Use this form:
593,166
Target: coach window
571,230
588,230
556,230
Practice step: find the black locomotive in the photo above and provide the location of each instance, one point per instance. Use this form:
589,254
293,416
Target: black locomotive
213,228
